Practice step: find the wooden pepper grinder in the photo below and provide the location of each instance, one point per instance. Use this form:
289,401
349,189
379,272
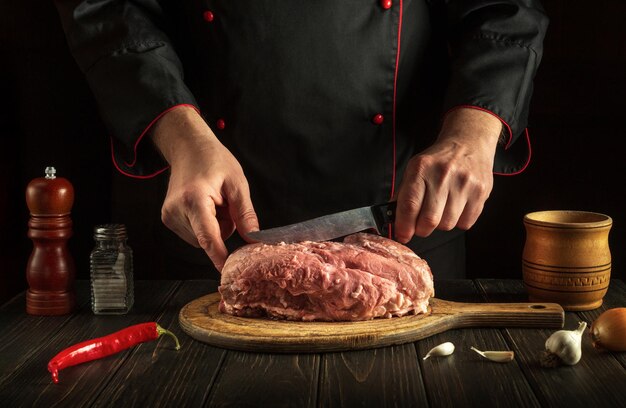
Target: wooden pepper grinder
50,269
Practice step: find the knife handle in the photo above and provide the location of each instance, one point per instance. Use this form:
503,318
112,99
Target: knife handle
384,214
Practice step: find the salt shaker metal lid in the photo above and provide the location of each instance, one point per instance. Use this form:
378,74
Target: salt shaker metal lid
110,231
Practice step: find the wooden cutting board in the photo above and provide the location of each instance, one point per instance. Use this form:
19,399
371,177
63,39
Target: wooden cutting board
202,320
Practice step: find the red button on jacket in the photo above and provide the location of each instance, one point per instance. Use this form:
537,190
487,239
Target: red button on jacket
220,124
378,119
208,16
386,4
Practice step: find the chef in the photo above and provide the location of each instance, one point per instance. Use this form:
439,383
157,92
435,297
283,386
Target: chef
261,113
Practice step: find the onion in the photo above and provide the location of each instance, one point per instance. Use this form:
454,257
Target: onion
608,331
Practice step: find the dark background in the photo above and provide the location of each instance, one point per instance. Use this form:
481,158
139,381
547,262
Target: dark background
48,118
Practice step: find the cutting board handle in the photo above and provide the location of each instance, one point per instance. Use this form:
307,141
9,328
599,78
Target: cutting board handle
549,315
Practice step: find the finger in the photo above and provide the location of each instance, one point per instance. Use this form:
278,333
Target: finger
242,212
431,210
409,202
206,228
455,204
470,214
476,194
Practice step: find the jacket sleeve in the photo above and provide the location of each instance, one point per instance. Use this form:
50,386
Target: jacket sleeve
132,69
495,48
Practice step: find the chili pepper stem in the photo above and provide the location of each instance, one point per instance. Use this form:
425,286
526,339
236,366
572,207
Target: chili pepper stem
55,375
161,331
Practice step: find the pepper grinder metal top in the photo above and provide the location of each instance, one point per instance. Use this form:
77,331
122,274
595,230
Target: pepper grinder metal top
50,269
50,173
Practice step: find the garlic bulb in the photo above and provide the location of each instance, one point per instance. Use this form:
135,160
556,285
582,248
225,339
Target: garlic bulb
497,356
444,349
564,347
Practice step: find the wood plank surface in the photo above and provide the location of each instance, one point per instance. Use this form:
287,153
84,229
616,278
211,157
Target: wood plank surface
202,320
23,335
266,380
30,384
465,378
382,377
153,376
598,379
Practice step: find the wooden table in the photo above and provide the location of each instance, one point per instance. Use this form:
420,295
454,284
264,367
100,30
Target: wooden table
154,374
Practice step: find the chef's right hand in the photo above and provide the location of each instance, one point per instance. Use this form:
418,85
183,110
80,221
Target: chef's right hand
208,194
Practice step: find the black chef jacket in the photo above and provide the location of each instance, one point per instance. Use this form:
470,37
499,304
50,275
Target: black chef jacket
323,102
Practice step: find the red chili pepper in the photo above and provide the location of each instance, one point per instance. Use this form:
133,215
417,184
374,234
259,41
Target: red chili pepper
105,346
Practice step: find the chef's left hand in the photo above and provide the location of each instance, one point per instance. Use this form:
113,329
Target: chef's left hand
446,185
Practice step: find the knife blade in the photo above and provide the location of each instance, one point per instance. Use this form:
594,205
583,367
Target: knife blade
330,226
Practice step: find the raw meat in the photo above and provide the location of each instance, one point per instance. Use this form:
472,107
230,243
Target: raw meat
364,277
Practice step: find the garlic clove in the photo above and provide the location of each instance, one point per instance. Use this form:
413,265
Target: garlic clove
563,347
444,349
497,356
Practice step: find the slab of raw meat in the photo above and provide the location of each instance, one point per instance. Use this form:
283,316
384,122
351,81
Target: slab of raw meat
364,277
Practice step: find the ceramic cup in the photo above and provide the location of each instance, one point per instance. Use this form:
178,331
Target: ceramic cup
566,258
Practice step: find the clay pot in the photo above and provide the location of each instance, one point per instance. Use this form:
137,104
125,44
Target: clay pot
566,258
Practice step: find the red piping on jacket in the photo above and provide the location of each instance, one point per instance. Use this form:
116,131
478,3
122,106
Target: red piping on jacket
393,125
393,114
508,143
145,131
527,160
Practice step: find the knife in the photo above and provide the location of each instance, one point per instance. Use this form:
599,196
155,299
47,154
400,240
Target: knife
330,226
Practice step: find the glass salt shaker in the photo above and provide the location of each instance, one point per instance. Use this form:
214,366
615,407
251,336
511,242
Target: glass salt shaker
111,271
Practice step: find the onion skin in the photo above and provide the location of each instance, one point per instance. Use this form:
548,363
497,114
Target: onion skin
608,331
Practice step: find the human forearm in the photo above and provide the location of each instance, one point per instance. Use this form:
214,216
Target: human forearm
180,131
469,125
